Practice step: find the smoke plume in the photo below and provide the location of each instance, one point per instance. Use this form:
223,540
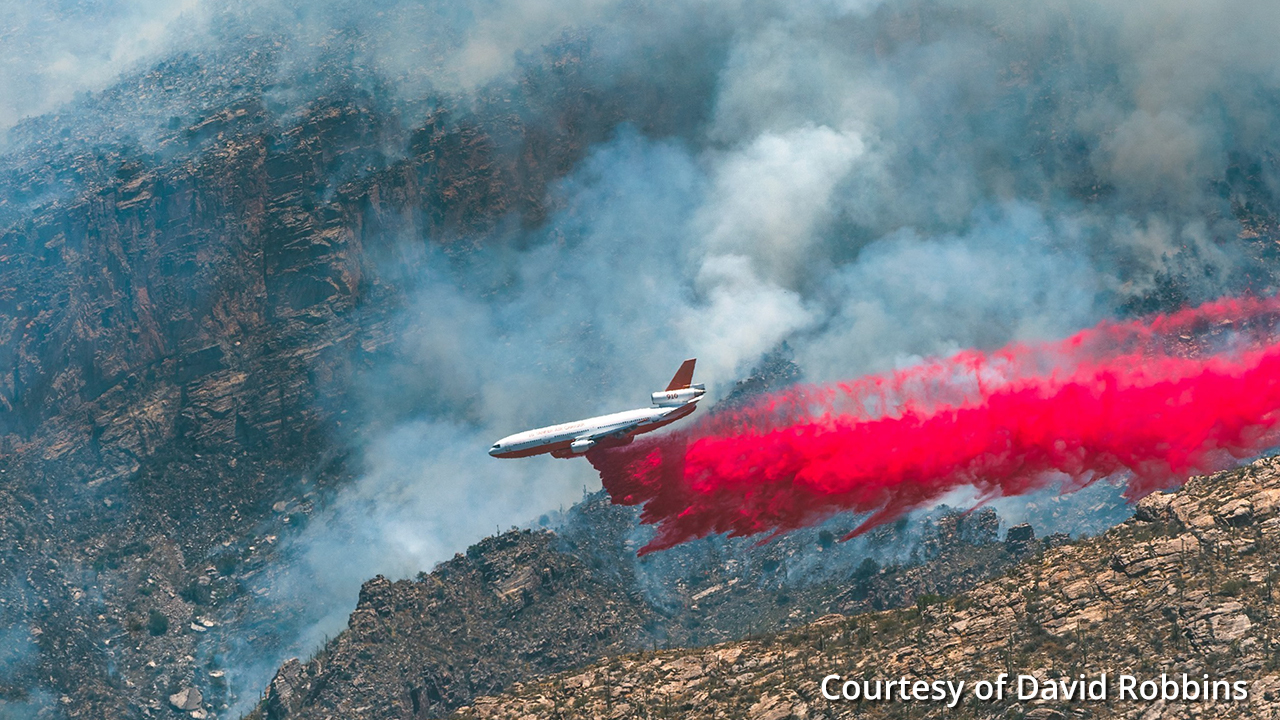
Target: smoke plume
1159,400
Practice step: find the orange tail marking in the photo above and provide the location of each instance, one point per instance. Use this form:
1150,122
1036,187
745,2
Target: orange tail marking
684,376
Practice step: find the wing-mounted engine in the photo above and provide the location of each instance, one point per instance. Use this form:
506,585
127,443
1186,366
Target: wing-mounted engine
576,448
584,445
673,398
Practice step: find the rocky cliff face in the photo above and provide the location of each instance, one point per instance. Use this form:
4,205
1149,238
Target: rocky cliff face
167,371
1186,586
180,324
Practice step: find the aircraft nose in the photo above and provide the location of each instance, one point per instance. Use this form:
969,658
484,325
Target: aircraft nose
495,449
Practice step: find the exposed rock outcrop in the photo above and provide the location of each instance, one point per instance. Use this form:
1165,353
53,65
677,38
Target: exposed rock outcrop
524,605
1187,586
513,607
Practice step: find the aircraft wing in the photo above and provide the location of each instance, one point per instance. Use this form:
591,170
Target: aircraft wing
615,432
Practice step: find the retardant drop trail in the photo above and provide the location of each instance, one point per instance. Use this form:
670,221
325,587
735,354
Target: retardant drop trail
1157,400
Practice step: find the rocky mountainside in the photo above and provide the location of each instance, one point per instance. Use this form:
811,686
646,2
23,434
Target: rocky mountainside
181,322
512,607
527,604
201,261
1185,587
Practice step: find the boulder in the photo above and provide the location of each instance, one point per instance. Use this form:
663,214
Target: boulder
1020,538
186,699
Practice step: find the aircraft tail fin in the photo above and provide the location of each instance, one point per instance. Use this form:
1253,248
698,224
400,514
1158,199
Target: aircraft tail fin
683,377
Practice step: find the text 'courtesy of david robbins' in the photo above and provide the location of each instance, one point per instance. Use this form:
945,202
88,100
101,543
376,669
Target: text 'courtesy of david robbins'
1180,688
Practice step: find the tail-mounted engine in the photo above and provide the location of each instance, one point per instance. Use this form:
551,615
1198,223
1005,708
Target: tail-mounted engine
672,398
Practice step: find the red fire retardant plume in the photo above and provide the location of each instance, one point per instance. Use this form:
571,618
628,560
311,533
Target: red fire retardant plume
1154,401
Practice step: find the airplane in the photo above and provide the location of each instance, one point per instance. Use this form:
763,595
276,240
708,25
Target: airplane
567,440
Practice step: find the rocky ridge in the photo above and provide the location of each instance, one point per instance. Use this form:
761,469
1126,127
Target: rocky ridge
1186,586
511,607
527,604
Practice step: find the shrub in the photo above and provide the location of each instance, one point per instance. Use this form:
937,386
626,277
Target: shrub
1232,588
157,623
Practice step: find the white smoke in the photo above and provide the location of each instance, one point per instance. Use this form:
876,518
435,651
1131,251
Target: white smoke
867,188
54,50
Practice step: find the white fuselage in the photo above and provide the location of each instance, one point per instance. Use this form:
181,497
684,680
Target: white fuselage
575,438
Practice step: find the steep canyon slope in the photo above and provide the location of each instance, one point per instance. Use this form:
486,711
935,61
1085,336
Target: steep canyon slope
182,322
1186,586
526,604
